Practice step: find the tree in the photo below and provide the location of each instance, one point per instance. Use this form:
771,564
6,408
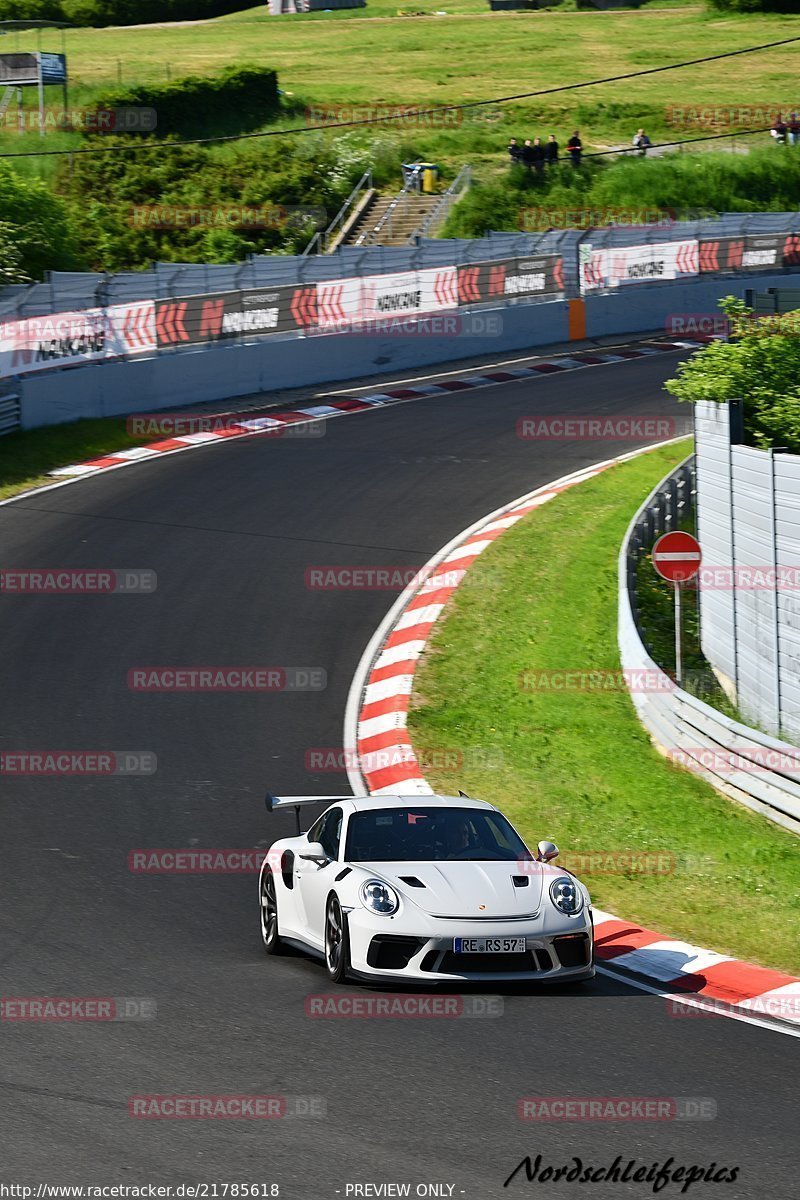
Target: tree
760,367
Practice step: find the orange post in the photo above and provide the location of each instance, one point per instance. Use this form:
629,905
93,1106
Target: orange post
577,320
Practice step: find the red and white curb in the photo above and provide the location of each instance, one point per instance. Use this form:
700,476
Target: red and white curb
384,763
272,424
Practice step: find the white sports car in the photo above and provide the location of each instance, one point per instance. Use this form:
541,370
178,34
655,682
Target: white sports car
425,889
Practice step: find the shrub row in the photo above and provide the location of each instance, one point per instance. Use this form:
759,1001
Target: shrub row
117,12
237,99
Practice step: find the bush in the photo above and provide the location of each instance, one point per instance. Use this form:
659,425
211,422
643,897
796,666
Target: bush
98,13
238,98
35,231
767,179
761,367
102,192
756,6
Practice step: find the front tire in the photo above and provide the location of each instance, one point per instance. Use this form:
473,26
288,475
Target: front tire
337,942
268,905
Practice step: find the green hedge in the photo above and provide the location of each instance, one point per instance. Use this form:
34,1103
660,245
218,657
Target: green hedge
118,12
238,98
756,6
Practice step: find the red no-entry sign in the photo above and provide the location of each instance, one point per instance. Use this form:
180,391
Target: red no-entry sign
676,556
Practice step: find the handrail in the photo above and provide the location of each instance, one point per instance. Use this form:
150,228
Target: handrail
440,211
323,237
369,236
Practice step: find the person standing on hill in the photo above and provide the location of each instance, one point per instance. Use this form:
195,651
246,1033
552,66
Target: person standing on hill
794,129
575,149
551,151
527,153
778,130
514,152
641,141
537,155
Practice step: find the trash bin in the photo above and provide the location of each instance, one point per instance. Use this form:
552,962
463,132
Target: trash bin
411,175
430,176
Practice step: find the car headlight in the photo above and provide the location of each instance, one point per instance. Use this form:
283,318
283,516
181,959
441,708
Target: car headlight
379,897
566,895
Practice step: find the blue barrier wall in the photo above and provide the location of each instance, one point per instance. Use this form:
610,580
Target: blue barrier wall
222,372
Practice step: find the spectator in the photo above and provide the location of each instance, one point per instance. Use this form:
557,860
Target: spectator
575,149
551,151
794,129
537,155
778,131
514,151
641,141
527,153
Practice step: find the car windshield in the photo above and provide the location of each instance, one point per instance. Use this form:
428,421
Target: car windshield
432,835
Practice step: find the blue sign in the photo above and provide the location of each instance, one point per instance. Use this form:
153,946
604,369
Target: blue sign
54,68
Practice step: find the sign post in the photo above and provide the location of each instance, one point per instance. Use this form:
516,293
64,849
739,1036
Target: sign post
676,557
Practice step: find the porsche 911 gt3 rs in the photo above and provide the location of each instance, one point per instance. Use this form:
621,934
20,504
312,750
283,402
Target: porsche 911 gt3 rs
427,889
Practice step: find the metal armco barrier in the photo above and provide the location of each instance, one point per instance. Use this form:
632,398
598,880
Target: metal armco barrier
759,771
9,412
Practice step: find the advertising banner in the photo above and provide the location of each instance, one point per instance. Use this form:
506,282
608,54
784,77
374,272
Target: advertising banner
506,278
408,293
753,252
67,339
618,266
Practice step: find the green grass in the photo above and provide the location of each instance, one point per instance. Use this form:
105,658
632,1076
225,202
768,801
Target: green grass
577,766
331,58
27,455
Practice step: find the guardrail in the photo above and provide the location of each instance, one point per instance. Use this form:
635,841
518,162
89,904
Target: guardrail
667,508
436,218
751,767
10,415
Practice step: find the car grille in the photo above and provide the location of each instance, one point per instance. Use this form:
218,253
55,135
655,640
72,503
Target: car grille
460,964
532,916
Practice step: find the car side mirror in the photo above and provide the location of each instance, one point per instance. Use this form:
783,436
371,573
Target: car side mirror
316,854
547,851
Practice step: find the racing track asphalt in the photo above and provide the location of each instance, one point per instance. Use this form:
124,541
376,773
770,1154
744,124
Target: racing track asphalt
230,531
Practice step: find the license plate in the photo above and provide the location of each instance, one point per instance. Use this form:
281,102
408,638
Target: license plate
507,945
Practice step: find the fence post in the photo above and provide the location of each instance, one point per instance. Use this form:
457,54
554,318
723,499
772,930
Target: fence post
732,552
776,641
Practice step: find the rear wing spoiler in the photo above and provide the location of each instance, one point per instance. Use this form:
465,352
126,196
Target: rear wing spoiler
296,802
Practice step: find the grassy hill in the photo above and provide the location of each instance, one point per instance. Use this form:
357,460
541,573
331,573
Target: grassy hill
375,56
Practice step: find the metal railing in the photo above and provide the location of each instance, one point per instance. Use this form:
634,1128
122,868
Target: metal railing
398,207
322,239
435,219
732,757
666,509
